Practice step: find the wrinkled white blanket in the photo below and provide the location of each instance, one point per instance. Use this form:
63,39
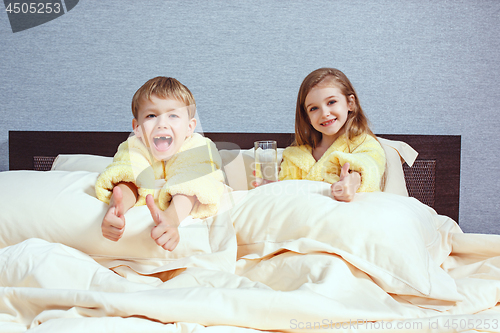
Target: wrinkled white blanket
285,257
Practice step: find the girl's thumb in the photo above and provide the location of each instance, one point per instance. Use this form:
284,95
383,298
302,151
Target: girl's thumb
345,170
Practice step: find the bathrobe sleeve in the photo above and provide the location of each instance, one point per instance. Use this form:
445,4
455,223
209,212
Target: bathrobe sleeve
297,162
364,154
195,171
132,164
366,157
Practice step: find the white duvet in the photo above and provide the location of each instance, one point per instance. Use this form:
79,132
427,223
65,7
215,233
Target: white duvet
284,257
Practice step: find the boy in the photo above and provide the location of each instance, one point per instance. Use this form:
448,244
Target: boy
163,147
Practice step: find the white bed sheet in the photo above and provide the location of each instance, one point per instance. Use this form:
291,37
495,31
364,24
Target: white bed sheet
272,266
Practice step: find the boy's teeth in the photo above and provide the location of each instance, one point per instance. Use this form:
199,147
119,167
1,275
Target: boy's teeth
162,142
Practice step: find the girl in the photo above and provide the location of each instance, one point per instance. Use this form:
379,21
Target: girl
333,141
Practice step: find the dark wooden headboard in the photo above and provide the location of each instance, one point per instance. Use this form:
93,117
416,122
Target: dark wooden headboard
434,179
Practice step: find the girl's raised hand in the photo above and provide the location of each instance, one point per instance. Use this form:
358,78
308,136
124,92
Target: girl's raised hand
348,184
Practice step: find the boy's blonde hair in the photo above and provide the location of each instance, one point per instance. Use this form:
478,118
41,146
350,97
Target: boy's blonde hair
166,88
356,123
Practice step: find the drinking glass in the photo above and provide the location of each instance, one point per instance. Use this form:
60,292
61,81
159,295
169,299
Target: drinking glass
266,160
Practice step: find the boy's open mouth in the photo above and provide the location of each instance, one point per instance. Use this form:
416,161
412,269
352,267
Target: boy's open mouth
162,142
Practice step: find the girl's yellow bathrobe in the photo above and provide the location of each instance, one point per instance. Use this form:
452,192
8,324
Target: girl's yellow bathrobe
364,154
193,170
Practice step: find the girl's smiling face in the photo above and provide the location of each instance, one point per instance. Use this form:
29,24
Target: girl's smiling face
163,125
328,109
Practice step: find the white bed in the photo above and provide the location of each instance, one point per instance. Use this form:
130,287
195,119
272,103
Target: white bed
301,263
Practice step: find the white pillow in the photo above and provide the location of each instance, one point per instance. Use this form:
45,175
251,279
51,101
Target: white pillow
239,164
396,153
61,207
394,239
81,162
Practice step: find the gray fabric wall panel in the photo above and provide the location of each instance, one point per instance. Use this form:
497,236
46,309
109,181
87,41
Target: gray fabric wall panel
420,67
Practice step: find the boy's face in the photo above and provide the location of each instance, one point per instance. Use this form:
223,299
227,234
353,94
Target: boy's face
163,125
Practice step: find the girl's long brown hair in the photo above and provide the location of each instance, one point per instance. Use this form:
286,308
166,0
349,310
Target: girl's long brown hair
356,123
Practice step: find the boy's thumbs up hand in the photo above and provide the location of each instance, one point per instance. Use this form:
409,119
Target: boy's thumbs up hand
153,209
118,200
113,224
165,233
348,184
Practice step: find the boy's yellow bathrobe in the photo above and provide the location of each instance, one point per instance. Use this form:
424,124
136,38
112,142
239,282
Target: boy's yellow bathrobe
364,154
193,170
